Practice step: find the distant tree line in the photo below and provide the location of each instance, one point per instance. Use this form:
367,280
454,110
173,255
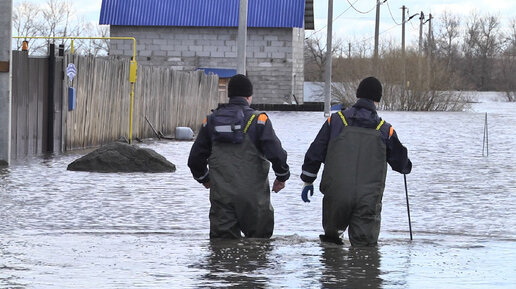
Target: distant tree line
471,54
56,18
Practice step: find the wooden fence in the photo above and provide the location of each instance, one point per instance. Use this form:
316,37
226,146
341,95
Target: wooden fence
167,98
171,98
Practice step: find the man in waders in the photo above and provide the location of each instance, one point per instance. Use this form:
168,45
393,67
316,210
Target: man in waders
231,157
355,146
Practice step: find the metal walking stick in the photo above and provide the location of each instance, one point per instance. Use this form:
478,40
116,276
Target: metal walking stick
408,208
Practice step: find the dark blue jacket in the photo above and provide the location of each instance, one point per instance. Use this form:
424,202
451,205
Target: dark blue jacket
261,134
362,114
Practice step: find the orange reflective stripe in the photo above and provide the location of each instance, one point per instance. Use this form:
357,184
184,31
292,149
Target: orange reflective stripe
391,131
262,118
329,120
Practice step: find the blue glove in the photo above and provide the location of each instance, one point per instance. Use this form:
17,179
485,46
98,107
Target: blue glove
307,188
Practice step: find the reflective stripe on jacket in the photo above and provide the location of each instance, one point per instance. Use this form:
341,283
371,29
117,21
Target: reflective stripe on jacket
260,132
361,114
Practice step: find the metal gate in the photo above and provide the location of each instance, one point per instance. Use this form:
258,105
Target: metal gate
37,97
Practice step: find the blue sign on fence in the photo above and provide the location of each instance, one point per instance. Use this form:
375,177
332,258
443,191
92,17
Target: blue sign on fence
71,98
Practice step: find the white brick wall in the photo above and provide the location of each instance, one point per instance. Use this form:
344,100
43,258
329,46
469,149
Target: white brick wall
273,55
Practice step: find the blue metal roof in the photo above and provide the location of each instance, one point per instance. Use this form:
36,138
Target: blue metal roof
221,72
204,13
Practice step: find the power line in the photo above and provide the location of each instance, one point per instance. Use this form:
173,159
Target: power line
362,12
333,19
344,11
350,6
390,12
386,30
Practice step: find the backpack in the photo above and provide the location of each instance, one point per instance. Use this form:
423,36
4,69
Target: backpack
228,124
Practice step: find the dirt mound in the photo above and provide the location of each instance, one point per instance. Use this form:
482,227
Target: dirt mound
122,157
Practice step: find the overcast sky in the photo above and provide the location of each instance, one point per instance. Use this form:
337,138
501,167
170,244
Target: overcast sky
356,22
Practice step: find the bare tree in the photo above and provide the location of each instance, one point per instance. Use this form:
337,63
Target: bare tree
482,43
471,36
60,20
488,47
361,48
95,47
475,55
448,39
511,38
314,59
435,94
26,22
55,18
508,64
315,56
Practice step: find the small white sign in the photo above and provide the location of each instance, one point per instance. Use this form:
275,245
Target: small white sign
71,71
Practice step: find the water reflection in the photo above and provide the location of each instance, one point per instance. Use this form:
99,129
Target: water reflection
238,263
356,267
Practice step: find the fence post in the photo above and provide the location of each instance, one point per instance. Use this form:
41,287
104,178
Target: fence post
485,143
50,96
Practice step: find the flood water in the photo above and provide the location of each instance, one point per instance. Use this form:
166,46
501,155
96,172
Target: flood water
63,229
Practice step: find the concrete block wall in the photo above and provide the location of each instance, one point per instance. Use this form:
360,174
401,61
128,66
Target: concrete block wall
272,59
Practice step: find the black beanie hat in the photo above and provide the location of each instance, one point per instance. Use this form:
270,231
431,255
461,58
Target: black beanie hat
240,85
370,88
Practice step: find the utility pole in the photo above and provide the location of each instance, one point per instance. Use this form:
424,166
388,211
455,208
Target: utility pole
376,36
242,37
420,56
429,50
421,19
349,50
403,61
430,34
327,72
5,80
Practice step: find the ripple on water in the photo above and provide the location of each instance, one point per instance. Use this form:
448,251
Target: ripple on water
78,229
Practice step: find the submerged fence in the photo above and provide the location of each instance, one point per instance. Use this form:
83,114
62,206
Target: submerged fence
167,98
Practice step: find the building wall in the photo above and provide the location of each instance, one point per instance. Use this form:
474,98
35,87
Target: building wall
272,59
